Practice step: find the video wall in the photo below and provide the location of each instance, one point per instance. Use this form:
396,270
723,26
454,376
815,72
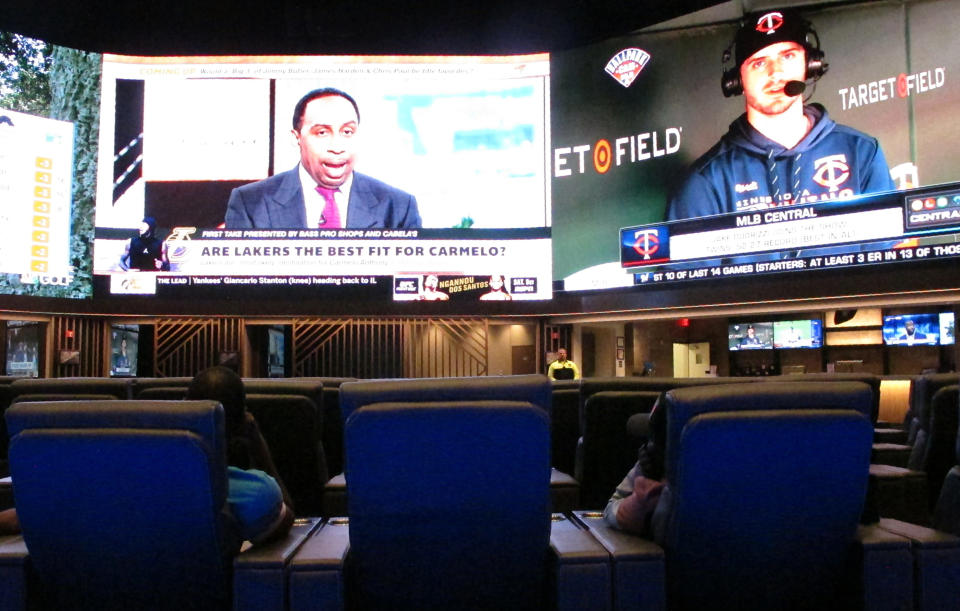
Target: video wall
475,178
212,177
49,100
659,177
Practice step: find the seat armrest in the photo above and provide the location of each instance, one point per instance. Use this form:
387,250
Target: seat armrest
885,579
579,568
14,564
936,556
317,572
259,573
638,565
898,493
920,535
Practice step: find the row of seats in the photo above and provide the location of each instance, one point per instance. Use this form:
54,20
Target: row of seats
590,447
449,508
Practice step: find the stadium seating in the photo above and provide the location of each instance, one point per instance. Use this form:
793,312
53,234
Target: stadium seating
765,488
534,389
449,509
122,507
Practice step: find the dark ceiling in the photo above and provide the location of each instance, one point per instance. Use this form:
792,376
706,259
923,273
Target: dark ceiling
153,27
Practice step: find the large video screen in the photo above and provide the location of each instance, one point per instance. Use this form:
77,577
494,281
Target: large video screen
798,333
664,171
404,178
911,329
750,336
49,101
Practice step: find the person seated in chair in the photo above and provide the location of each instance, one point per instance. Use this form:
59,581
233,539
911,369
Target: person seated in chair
257,498
632,505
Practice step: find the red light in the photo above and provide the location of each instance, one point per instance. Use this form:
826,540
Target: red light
68,333
683,322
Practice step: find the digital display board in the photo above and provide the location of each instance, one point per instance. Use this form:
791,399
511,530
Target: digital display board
209,187
659,181
48,160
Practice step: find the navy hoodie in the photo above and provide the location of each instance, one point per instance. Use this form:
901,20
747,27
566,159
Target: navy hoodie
748,171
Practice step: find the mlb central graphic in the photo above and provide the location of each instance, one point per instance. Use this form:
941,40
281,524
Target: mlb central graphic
644,245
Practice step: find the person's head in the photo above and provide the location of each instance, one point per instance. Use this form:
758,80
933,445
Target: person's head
910,327
496,282
224,385
562,354
751,332
325,123
431,282
123,344
771,49
147,226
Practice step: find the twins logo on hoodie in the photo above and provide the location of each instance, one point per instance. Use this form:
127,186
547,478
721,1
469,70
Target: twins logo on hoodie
831,171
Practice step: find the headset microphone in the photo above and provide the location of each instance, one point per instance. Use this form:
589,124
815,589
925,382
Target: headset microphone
793,88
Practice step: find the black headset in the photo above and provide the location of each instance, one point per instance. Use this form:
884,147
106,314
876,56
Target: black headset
816,66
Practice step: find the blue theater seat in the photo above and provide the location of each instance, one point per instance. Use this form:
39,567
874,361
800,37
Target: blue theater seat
765,486
123,506
449,509
534,389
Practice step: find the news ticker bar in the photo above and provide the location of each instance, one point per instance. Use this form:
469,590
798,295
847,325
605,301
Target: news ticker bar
407,287
797,262
886,216
229,256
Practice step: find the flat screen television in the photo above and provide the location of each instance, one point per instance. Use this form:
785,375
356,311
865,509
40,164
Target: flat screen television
24,346
798,333
49,97
437,166
276,353
124,343
911,330
750,336
947,330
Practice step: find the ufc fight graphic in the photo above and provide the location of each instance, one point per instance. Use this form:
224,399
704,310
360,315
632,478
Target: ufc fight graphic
770,23
627,64
831,171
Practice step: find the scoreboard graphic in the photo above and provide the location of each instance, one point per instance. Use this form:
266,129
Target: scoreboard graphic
36,169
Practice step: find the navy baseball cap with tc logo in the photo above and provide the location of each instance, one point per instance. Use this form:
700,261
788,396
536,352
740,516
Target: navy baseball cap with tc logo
765,28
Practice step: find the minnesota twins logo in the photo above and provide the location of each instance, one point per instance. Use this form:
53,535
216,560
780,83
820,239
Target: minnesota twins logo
770,22
646,242
831,171
627,64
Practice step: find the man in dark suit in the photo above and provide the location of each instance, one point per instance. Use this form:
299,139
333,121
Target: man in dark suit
323,190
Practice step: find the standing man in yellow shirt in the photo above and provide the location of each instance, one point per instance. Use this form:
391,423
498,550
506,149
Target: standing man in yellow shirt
563,369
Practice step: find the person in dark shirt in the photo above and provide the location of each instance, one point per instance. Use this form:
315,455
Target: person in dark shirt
780,152
256,496
146,252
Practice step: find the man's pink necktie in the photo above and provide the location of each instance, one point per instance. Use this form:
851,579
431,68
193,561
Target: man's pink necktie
330,217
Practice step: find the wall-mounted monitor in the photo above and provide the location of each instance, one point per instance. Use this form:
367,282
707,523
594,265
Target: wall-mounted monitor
275,353
911,330
947,329
24,347
750,336
798,333
49,97
402,178
124,343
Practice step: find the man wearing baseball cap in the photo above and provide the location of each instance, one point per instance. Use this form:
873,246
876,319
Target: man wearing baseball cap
779,152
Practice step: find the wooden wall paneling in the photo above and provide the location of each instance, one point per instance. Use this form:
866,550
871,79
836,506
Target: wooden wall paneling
389,347
185,346
83,335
